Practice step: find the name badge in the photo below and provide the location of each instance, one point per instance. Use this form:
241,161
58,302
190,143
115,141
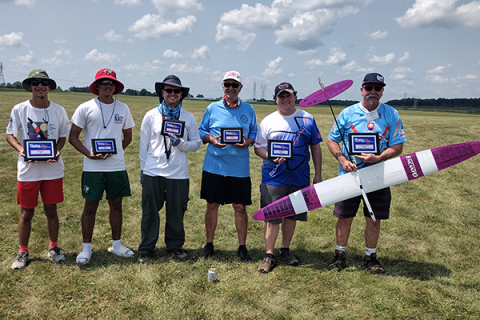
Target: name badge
104,146
364,143
175,127
371,116
280,149
40,150
231,135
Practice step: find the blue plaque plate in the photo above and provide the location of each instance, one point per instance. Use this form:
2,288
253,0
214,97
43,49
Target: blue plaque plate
104,146
231,135
363,143
40,150
280,149
175,127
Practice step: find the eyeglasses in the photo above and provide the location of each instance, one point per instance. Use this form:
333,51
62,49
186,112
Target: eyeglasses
44,82
370,88
233,85
176,91
108,82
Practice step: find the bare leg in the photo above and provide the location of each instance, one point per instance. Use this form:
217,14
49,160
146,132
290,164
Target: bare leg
342,231
241,222
288,229
88,219
211,217
52,220
115,217
372,232
25,225
271,234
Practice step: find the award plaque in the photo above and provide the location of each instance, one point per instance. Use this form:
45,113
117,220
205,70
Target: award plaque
231,135
363,143
104,146
40,150
175,127
280,149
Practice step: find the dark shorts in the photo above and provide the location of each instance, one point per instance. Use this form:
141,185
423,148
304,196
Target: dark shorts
379,201
224,189
116,185
270,194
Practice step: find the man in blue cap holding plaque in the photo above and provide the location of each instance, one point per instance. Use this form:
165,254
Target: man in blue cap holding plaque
168,133
369,116
41,122
107,131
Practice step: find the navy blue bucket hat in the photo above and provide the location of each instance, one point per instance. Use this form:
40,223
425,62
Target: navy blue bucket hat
173,81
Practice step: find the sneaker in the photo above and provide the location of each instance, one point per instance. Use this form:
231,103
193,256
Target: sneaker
267,265
339,261
208,251
289,257
179,254
242,252
371,262
55,254
21,261
144,258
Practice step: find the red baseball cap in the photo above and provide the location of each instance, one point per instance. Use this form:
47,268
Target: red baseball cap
106,73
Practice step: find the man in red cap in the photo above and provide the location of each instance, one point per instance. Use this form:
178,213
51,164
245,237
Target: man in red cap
103,121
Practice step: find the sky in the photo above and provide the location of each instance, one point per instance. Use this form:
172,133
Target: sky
424,48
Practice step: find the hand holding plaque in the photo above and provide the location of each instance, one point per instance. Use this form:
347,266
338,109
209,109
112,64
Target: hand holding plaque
364,143
231,135
40,150
280,149
175,127
104,146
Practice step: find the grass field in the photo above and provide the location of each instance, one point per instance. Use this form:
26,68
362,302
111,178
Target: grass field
429,245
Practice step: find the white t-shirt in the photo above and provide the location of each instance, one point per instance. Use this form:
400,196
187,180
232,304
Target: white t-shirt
103,121
20,126
153,159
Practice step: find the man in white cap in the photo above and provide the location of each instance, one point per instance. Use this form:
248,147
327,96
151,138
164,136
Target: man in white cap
38,119
104,121
164,167
226,168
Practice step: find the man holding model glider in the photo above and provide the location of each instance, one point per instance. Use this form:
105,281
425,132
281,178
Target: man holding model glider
371,117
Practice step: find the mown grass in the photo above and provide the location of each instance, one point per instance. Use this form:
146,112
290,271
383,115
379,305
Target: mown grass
429,245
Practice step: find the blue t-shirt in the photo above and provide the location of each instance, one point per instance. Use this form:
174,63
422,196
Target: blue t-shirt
354,119
229,161
299,127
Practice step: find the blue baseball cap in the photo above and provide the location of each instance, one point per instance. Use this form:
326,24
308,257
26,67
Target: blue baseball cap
374,78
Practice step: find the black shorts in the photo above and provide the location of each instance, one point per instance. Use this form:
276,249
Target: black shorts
224,189
379,201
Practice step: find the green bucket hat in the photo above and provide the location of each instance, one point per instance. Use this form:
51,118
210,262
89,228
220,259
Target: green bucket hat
38,74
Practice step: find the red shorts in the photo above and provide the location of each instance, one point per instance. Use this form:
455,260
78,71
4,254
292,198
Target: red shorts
50,190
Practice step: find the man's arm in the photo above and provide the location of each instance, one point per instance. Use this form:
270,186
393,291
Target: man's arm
317,162
74,139
336,151
127,137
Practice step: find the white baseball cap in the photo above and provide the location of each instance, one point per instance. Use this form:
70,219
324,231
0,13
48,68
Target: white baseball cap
234,75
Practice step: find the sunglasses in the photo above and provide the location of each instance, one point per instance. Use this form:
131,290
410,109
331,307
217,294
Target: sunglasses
37,82
176,91
108,82
233,85
370,88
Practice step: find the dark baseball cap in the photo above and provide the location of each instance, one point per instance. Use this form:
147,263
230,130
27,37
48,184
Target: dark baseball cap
284,86
374,78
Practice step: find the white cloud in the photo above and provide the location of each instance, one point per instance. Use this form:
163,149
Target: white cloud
273,68
228,32
97,56
314,63
440,69
306,52
14,39
401,73
404,58
24,60
52,62
59,40
128,2
184,68
377,35
152,26
336,57
353,66
467,77
383,60
436,79
179,7
202,53
111,36
170,54
291,75
27,3
443,13
145,69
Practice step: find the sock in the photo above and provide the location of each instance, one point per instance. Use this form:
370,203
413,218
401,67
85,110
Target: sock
52,244
369,251
284,249
340,248
269,255
116,244
242,246
87,247
23,249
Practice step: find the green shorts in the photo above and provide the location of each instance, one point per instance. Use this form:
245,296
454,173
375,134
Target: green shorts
116,184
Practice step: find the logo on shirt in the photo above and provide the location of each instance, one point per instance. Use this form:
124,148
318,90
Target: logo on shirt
370,126
118,119
244,119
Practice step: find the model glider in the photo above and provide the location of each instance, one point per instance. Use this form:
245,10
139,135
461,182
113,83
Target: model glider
329,92
391,172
